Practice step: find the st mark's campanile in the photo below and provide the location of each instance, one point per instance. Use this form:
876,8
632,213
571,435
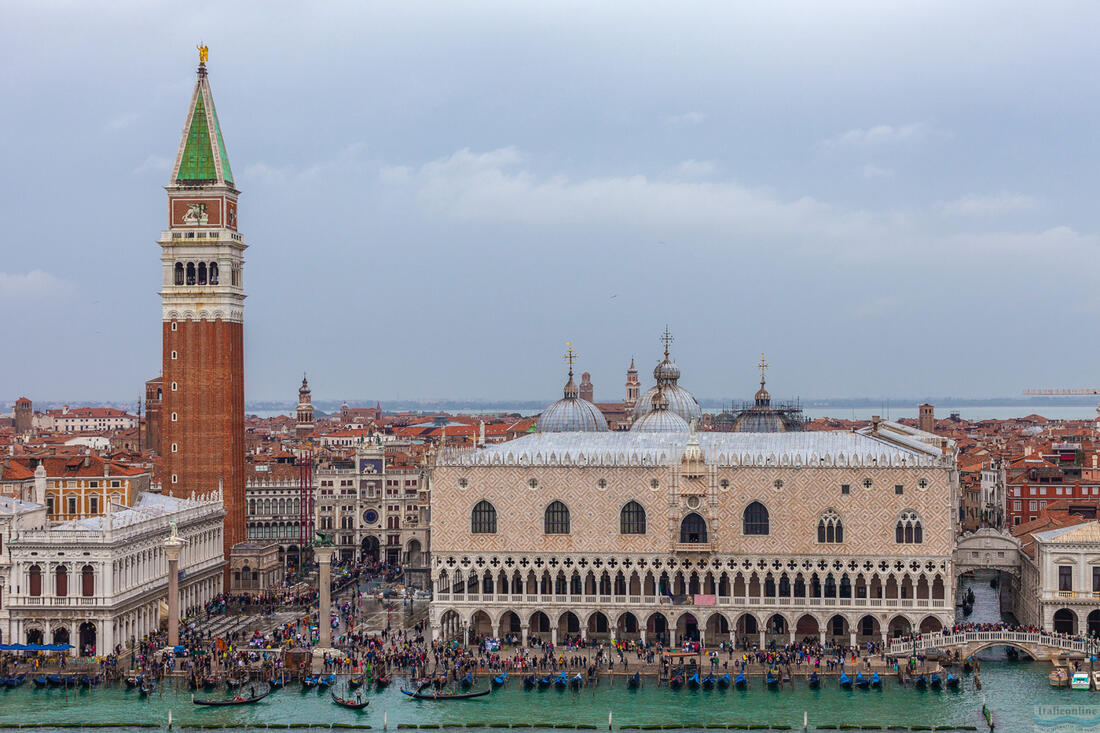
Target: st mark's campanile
202,298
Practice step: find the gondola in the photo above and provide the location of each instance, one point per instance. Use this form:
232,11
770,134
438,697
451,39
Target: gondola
40,682
232,683
86,681
577,681
15,680
739,681
382,682
209,683
967,667
276,683
444,695
238,700
354,682
147,688
724,681
131,682
467,679
708,681
814,680
439,682
845,681
500,679
935,683
529,682
676,682
561,681
876,681
693,681
326,680
634,681
309,682
862,682
56,681
545,682
771,679
345,703
952,681
920,682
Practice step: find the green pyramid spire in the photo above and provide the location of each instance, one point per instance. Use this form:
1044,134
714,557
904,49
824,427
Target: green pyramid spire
202,157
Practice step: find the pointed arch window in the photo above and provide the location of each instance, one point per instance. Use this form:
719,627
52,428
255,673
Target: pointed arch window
756,519
908,530
632,519
556,519
693,529
483,519
829,528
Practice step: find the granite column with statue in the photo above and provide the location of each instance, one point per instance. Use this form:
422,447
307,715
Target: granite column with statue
323,553
172,547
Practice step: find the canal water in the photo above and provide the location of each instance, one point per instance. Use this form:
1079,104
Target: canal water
1017,692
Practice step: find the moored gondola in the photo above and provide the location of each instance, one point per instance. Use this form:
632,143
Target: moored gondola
724,681
500,679
40,681
921,682
862,682
327,680
545,682
276,683
238,700
634,681
355,681
529,682
739,681
309,682
952,682
708,681
771,679
676,682
209,683
382,682
436,695
561,681
576,681
693,681
467,679
876,681
357,704
845,681
15,680
935,683
814,680
148,687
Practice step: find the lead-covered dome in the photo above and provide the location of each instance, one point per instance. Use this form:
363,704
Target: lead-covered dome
667,376
660,419
571,414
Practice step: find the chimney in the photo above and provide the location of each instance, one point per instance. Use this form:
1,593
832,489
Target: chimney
40,484
875,420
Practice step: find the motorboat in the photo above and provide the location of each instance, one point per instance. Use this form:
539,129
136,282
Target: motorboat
1080,681
1059,677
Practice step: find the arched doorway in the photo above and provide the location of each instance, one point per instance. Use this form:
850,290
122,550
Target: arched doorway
1093,622
868,627
34,636
568,626
450,624
746,627
627,626
687,628
60,635
718,629
481,624
598,626
656,628
838,626
369,549
509,624
413,554
1065,621
899,626
930,625
807,629
87,639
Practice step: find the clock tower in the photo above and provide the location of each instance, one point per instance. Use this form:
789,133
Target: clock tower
202,309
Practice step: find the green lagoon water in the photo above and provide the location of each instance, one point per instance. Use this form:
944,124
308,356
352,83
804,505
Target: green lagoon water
1017,692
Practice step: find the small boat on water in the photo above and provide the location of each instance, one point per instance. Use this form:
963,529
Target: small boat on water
327,680
967,666
708,681
739,681
382,682
693,681
845,681
236,700
771,678
935,682
921,682
724,681
357,704
55,680
862,682
1079,681
500,679
467,679
952,682
233,683
15,680
147,688
561,681
577,681
530,681
634,681
545,682
436,695
309,682
209,683
276,683
355,681
814,680
676,682
1096,679
1058,678
876,681
40,682
131,681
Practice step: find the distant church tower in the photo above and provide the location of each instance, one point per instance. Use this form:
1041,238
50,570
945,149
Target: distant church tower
586,388
24,416
633,387
305,410
202,304
927,421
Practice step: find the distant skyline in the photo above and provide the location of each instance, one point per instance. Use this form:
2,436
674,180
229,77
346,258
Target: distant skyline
887,199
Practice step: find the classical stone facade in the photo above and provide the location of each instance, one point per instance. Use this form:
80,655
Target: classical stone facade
664,536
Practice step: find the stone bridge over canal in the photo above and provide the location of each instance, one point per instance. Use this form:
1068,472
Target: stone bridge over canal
1037,645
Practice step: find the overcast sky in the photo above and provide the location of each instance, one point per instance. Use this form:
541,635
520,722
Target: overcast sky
889,198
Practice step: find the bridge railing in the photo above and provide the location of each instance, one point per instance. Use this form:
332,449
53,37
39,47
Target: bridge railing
946,641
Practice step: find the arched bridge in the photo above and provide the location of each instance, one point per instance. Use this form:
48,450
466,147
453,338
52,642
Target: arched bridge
1038,645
